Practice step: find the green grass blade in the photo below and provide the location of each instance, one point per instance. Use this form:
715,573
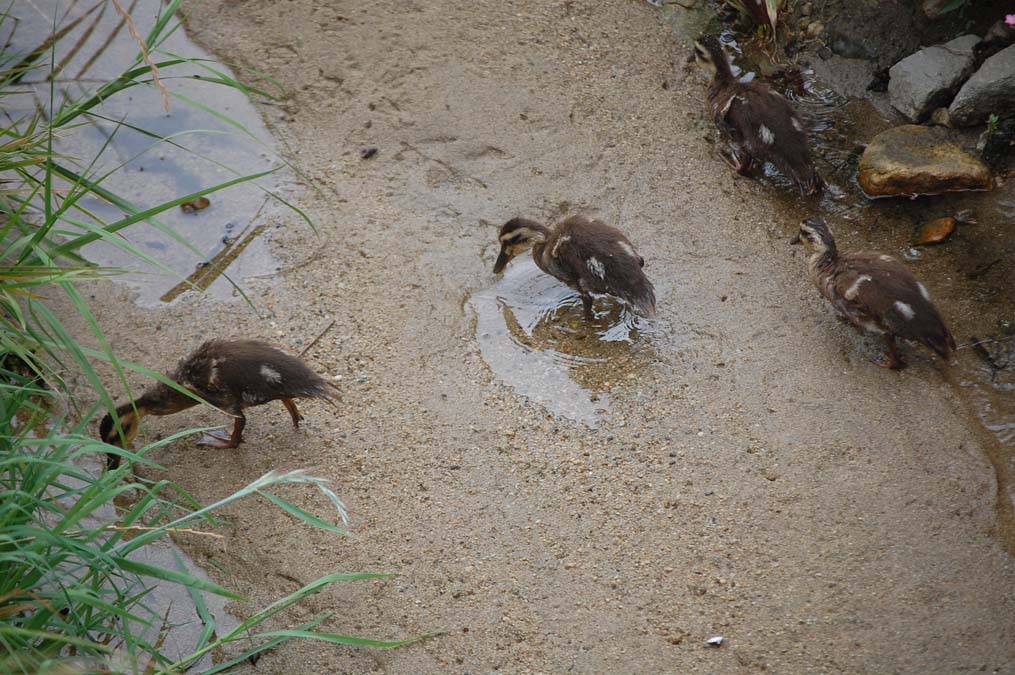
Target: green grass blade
172,576
350,640
301,514
263,647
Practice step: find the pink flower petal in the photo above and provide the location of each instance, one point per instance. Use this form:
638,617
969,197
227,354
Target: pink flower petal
1010,20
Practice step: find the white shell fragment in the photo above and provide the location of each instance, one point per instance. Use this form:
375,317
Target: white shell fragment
715,641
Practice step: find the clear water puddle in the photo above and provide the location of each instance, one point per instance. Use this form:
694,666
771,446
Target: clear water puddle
227,238
533,336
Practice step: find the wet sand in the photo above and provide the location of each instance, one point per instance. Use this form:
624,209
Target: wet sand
754,476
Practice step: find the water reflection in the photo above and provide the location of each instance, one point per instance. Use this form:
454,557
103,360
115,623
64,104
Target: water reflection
533,336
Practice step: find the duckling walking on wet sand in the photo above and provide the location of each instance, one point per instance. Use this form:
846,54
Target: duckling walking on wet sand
875,293
588,255
229,374
757,121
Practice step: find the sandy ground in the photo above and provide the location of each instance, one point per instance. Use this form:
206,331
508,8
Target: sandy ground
756,477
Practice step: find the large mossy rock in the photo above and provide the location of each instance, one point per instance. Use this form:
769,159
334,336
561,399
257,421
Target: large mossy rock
912,160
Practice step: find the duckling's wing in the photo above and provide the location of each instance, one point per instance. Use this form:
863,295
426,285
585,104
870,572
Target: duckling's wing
199,373
603,261
250,372
764,123
885,288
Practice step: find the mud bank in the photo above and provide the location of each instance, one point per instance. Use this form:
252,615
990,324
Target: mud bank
755,477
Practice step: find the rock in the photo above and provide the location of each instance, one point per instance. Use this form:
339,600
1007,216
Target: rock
815,29
195,205
941,117
997,37
929,78
991,89
848,47
996,144
912,160
879,81
935,232
806,9
937,8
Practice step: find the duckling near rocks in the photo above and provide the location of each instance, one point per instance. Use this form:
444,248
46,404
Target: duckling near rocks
588,255
875,293
229,374
757,121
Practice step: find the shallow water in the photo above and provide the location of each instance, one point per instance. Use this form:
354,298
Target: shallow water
971,273
227,237
175,623
533,335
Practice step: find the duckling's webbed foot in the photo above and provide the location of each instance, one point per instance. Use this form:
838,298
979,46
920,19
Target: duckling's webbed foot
892,359
222,441
290,405
739,160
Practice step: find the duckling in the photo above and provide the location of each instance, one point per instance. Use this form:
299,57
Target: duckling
757,121
588,255
875,293
229,374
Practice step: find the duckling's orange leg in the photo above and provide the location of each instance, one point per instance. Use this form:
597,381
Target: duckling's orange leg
739,160
290,405
218,439
894,358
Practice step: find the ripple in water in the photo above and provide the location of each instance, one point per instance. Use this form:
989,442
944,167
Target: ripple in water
534,338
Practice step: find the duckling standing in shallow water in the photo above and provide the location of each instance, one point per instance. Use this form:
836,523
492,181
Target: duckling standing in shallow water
875,293
757,121
229,374
588,255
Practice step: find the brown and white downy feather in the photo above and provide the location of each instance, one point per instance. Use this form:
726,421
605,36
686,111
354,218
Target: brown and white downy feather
757,121
875,292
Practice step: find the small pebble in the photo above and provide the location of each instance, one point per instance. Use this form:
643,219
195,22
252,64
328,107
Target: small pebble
941,117
935,232
367,153
199,204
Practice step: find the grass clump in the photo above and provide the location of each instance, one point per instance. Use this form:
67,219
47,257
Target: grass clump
74,593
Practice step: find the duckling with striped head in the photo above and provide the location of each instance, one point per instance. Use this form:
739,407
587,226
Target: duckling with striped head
588,255
875,293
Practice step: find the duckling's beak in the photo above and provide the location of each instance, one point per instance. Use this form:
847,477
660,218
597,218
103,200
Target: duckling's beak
795,240
502,260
